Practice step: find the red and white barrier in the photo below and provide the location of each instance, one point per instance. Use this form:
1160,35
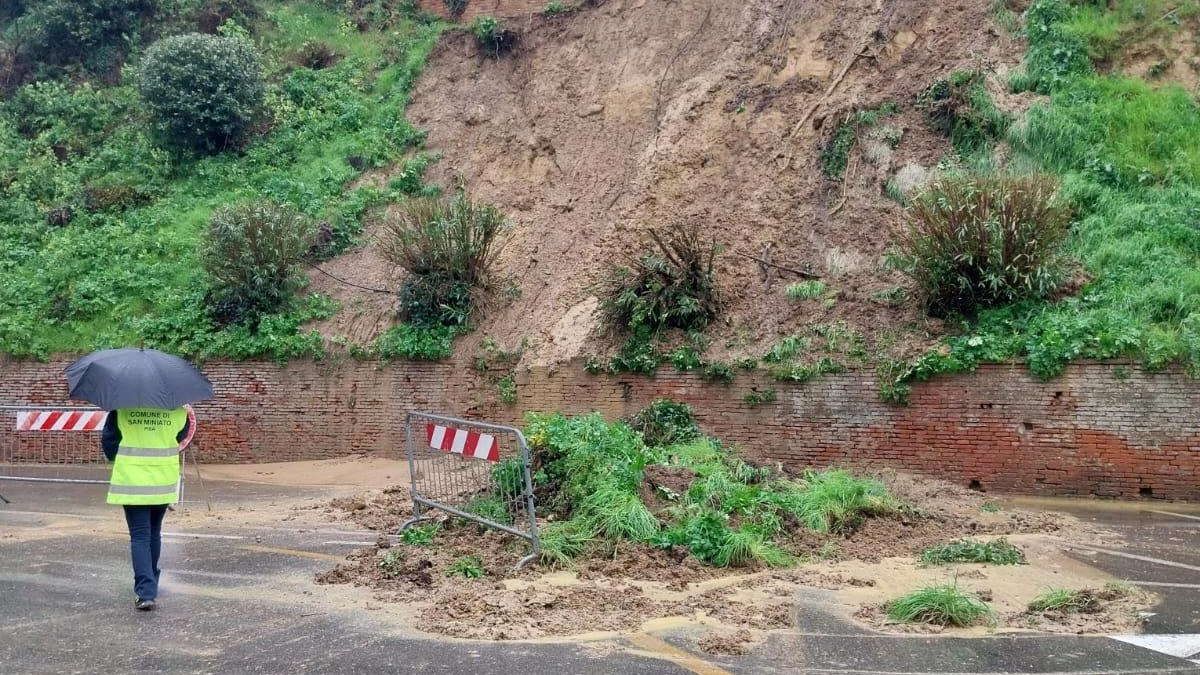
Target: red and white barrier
468,443
61,420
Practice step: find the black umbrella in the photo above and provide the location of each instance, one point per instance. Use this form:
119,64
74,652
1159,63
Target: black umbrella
136,378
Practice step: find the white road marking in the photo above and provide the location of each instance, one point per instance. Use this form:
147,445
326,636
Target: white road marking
351,543
1162,584
1182,646
201,536
1157,561
1177,515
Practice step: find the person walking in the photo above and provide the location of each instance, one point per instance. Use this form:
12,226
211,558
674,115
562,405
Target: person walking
143,445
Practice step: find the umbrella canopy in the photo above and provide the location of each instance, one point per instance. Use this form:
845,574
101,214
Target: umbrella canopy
136,378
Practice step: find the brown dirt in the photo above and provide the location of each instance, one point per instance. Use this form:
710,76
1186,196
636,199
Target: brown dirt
628,114
621,590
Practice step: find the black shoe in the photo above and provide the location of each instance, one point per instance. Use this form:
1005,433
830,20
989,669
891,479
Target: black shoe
144,605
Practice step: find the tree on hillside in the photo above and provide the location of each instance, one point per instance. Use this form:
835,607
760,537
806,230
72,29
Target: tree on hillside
203,91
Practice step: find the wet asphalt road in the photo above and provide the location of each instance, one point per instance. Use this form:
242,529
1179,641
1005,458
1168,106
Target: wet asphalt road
239,598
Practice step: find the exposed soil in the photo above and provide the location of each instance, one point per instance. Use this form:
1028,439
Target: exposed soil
627,114
620,590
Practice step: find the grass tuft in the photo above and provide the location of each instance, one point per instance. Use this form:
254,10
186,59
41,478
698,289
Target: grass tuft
1065,601
836,501
941,606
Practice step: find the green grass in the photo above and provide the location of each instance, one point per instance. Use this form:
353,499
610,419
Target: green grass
836,501
1065,601
468,567
995,552
732,513
1129,164
114,276
941,606
418,535
805,290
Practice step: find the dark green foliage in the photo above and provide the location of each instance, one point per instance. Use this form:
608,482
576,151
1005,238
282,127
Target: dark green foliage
492,35
418,535
96,34
1056,55
448,247
203,91
509,477
490,507
665,422
468,567
941,606
959,108
717,372
836,501
416,342
455,7
253,255
976,242
756,398
995,552
673,288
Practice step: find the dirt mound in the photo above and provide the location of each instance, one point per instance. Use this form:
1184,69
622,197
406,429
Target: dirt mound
627,114
619,589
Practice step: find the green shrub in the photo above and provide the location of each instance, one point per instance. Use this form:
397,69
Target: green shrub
94,33
941,606
416,342
756,398
203,91
960,108
665,422
996,552
554,7
975,242
490,507
674,288
509,477
252,253
492,35
835,501
836,153
448,247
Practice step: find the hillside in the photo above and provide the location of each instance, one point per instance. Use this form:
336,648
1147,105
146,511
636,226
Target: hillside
790,133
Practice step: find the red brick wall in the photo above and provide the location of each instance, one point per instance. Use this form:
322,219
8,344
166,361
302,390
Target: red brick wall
1085,433
497,8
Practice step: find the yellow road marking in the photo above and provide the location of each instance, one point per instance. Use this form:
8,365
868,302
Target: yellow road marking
677,656
295,552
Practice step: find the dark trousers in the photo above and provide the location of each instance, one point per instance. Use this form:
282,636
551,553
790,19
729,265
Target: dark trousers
145,543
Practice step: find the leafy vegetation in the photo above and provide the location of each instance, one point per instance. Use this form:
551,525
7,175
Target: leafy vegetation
122,263
392,563
674,287
805,290
827,349
960,108
1130,170
202,91
252,254
995,552
591,474
508,388
419,535
836,154
665,422
415,342
492,35
468,567
976,242
940,605
448,247
755,398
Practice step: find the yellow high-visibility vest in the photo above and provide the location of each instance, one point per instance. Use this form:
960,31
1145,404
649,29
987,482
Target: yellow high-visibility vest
146,470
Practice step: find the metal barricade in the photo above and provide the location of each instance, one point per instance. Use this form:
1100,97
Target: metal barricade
472,470
58,444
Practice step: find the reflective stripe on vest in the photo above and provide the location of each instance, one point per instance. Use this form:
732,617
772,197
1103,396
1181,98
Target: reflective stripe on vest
146,469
